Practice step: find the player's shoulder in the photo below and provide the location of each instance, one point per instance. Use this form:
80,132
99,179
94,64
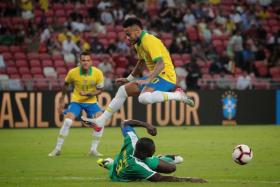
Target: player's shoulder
74,70
97,70
150,39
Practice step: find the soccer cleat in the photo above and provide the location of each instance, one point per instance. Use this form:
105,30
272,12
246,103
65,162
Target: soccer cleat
90,123
94,153
178,159
186,99
104,162
54,153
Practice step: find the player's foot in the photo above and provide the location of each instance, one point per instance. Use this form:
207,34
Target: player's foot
94,153
186,99
55,152
90,123
178,159
104,162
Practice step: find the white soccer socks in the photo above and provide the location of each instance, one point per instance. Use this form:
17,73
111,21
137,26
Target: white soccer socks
64,131
158,96
114,106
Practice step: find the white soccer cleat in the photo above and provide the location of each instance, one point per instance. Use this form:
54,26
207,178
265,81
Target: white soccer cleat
186,99
91,123
54,153
95,153
178,159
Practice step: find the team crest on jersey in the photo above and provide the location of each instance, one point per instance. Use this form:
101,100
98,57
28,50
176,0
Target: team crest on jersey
229,100
92,83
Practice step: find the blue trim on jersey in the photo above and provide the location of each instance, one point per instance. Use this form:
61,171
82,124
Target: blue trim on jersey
158,84
76,109
127,129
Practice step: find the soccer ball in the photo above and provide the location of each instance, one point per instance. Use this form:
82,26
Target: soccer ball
242,154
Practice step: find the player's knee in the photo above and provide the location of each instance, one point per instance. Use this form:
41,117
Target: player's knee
144,98
172,168
64,131
121,92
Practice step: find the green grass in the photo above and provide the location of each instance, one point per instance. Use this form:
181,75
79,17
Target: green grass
207,153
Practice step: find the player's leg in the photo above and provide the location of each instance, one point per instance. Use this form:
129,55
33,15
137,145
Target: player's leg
159,91
129,89
93,111
73,110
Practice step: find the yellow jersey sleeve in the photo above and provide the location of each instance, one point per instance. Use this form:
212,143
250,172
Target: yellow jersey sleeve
152,46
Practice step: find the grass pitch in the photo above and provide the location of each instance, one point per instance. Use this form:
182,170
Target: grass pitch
207,152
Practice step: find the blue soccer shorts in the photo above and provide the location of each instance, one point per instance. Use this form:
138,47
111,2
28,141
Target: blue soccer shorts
76,109
158,84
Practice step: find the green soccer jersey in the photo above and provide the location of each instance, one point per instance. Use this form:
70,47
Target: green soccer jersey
126,167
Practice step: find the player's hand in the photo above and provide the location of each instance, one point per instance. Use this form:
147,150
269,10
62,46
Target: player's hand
121,81
152,130
60,107
142,82
82,93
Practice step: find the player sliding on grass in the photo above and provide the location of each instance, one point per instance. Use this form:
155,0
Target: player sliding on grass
157,86
136,161
88,83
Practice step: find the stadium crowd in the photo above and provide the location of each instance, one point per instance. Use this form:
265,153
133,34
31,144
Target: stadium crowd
213,43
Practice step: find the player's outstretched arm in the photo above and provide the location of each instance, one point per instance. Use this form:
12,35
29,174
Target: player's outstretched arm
134,72
61,99
160,178
150,128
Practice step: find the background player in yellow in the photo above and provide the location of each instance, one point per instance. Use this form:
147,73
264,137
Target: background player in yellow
88,82
155,88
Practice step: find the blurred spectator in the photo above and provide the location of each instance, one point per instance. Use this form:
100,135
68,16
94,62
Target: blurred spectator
106,17
248,59
108,82
63,35
193,72
106,65
215,2
69,48
97,46
189,18
181,77
265,3
84,45
45,35
235,47
103,4
78,25
223,82
263,13
260,53
44,5
118,13
244,81
122,46
26,9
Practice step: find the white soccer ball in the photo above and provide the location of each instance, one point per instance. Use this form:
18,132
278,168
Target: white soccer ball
242,154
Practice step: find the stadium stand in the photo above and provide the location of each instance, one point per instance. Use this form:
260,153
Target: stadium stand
206,38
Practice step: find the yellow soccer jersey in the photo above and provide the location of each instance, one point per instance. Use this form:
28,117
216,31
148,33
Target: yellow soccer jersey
150,49
87,83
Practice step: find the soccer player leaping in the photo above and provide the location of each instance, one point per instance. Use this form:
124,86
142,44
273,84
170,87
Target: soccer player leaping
152,89
136,161
88,82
